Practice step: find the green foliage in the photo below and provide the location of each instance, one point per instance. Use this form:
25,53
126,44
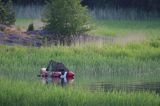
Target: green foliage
2,12
22,93
7,14
30,27
65,18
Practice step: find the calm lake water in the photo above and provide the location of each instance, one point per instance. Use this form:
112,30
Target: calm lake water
104,86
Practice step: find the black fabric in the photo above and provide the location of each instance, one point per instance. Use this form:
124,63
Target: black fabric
56,66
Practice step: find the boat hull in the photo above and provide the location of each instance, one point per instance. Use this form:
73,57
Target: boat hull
58,74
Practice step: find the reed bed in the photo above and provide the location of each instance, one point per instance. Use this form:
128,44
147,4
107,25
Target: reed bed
111,63
131,63
18,93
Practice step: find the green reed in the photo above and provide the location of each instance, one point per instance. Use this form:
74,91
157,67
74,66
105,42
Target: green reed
111,63
18,93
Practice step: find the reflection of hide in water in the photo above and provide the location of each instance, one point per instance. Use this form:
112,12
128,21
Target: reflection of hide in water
63,82
57,81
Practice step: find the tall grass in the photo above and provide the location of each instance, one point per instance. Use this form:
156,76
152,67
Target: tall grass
130,63
116,64
21,93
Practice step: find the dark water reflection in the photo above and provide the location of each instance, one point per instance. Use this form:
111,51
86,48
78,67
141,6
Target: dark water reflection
105,87
155,87
57,81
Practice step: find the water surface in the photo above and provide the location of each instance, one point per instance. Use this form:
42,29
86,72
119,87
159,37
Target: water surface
104,86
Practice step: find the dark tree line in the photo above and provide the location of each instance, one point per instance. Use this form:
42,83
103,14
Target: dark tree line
147,5
26,2
7,14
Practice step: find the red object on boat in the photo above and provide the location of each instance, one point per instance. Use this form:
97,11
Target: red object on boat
70,74
44,73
